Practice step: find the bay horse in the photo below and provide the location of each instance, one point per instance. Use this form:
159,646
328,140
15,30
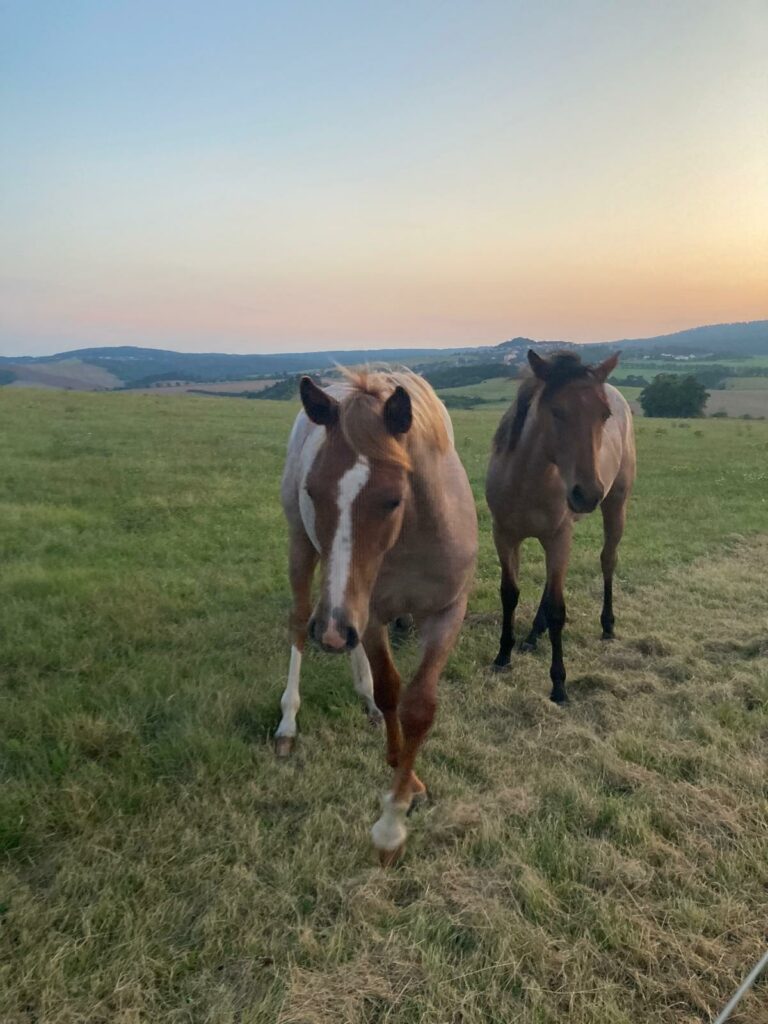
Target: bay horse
374,491
565,446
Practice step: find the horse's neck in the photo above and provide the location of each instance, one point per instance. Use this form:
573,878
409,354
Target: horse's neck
428,493
529,455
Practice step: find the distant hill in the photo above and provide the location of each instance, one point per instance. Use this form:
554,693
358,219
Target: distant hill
743,339
130,367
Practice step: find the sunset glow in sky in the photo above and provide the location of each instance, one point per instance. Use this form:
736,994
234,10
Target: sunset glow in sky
247,177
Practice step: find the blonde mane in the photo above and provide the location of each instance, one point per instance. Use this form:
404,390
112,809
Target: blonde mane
362,416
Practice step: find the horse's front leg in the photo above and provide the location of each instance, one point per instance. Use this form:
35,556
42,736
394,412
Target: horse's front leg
557,550
303,559
509,591
416,713
614,510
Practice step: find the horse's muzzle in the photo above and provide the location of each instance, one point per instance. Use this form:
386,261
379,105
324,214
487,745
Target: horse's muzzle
336,636
582,500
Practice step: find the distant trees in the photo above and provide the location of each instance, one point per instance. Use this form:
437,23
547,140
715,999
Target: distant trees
7,377
674,395
452,376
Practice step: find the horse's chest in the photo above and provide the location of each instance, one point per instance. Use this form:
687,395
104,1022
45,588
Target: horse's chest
420,579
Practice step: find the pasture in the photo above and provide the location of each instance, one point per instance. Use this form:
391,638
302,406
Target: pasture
600,864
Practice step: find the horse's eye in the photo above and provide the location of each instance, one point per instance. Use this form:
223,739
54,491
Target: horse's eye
392,503
310,494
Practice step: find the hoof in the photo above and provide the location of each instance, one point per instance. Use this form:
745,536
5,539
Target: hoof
418,800
561,699
527,646
388,858
608,636
498,666
375,718
284,745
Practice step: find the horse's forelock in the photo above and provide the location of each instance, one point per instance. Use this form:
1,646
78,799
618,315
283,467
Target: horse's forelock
362,416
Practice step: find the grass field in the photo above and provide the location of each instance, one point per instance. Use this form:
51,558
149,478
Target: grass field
747,383
600,864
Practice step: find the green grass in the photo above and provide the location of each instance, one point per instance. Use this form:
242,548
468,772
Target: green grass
498,389
673,366
600,864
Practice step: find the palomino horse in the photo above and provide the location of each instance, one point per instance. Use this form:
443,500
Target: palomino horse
374,490
564,447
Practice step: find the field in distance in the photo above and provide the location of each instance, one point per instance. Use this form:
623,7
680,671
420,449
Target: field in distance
744,396
603,864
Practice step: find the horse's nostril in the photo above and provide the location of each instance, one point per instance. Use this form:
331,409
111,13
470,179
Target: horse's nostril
311,629
577,496
352,638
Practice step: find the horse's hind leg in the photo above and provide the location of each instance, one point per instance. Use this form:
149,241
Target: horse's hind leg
539,624
509,558
614,514
417,711
303,559
557,550
363,680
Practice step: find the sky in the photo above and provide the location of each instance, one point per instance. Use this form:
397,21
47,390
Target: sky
262,177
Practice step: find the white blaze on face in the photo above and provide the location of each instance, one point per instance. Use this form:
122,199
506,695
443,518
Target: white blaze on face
350,485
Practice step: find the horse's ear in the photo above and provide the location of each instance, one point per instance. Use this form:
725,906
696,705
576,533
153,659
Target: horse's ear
398,414
539,366
318,404
603,370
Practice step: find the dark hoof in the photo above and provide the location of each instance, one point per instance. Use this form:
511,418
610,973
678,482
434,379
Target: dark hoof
401,630
528,646
418,800
561,699
608,636
500,666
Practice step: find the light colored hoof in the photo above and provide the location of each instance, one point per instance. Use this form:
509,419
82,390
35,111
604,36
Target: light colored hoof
284,745
375,718
389,858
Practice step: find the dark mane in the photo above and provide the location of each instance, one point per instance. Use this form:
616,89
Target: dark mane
510,429
564,367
